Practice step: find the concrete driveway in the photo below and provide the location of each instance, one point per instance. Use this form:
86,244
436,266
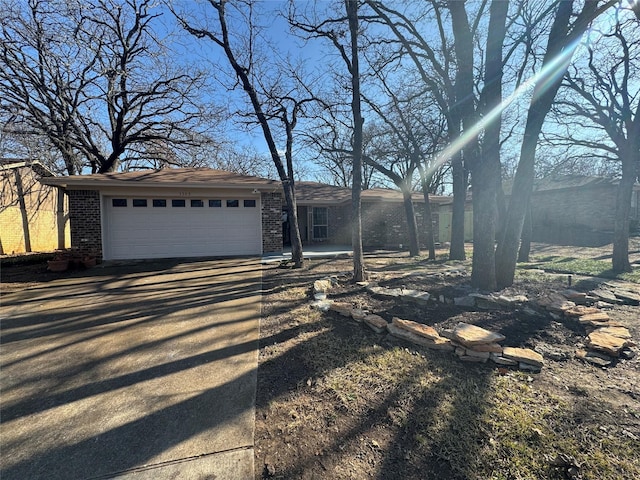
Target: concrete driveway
136,372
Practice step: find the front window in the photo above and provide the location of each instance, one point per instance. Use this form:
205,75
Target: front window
320,223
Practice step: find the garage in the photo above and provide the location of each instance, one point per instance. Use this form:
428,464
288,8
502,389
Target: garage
173,213
141,227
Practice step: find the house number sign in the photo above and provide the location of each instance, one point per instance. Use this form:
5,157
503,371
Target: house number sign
185,194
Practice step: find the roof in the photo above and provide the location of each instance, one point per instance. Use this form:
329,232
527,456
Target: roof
561,182
166,177
35,165
321,194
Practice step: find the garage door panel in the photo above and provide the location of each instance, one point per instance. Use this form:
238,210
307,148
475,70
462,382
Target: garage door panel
162,232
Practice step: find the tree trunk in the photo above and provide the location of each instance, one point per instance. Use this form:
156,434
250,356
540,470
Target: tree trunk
412,226
456,249
359,273
527,231
560,47
61,219
428,220
23,211
297,255
486,168
624,193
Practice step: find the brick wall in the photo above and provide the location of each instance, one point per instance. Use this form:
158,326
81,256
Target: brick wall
84,215
271,222
580,216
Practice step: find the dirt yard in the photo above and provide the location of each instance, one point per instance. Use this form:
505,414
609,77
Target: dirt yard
336,400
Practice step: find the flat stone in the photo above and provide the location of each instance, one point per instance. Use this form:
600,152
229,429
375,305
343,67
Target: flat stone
512,300
487,347
528,367
486,302
605,295
473,353
555,302
603,342
627,297
322,305
416,328
470,335
574,295
319,296
323,285
343,309
620,332
580,310
500,360
376,323
467,358
595,319
465,301
627,354
525,355
358,314
439,343
417,296
594,358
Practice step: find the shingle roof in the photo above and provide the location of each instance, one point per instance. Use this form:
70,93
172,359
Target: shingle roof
560,182
320,193
180,177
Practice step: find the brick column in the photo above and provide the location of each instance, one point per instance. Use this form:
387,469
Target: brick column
84,218
271,222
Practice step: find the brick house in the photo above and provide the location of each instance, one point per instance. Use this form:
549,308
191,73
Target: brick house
189,212
577,210
324,215
33,216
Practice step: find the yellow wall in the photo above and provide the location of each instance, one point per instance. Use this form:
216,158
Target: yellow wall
445,225
41,203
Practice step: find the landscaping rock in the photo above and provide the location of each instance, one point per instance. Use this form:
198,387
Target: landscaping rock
574,295
322,286
605,295
620,332
594,358
527,367
416,328
439,343
524,355
487,347
322,305
512,300
468,358
594,318
555,302
500,360
376,323
465,301
470,335
358,314
580,310
416,296
486,302
609,344
627,297
343,309
474,353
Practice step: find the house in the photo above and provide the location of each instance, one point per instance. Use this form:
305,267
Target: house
33,216
324,215
577,209
189,212
194,212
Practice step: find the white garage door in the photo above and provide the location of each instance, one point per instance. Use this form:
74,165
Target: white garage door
139,227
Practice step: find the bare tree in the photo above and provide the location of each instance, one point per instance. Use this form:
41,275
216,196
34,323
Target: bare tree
243,67
93,78
602,93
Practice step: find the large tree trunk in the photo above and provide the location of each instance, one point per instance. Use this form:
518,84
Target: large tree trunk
525,244
24,215
412,226
359,273
560,47
487,169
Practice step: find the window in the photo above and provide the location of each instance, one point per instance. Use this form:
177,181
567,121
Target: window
159,202
233,203
139,202
119,202
320,223
178,202
215,203
249,203
197,203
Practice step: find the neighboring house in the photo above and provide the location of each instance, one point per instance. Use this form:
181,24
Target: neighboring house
33,216
577,210
324,215
190,212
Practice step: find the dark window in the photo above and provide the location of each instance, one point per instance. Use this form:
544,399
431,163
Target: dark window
159,202
197,203
320,219
249,203
119,202
178,202
139,202
233,203
215,203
